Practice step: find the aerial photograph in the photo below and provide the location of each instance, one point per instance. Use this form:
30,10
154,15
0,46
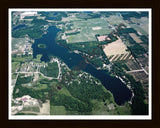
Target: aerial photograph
79,62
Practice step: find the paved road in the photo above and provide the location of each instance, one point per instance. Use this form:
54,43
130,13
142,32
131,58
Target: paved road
145,71
139,70
12,87
39,73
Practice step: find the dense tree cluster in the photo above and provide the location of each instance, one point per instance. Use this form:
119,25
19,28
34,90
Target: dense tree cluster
139,107
86,91
71,104
34,31
137,50
128,15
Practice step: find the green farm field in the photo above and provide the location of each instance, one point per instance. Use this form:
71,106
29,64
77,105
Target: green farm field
57,110
114,19
16,42
88,29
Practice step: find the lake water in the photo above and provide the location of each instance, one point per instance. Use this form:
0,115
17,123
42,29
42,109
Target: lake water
120,92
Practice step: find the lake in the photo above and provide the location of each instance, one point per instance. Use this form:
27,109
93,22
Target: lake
119,90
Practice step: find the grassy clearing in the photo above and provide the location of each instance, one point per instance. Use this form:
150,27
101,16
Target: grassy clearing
14,75
124,110
57,110
99,108
103,108
115,19
135,37
143,21
15,66
16,42
70,18
21,59
64,91
51,70
38,59
41,86
34,109
88,31
139,29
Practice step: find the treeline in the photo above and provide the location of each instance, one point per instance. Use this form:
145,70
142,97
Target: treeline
87,15
128,30
85,47
33,32
137,50
139,107
144,39
73,33
56,16
38,22
128,15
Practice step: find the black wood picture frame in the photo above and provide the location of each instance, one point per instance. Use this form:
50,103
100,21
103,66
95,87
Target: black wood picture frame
6,4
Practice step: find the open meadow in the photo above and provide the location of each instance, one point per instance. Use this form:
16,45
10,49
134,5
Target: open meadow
135,38
88,29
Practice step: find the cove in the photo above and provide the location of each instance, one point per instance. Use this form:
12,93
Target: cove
119,90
